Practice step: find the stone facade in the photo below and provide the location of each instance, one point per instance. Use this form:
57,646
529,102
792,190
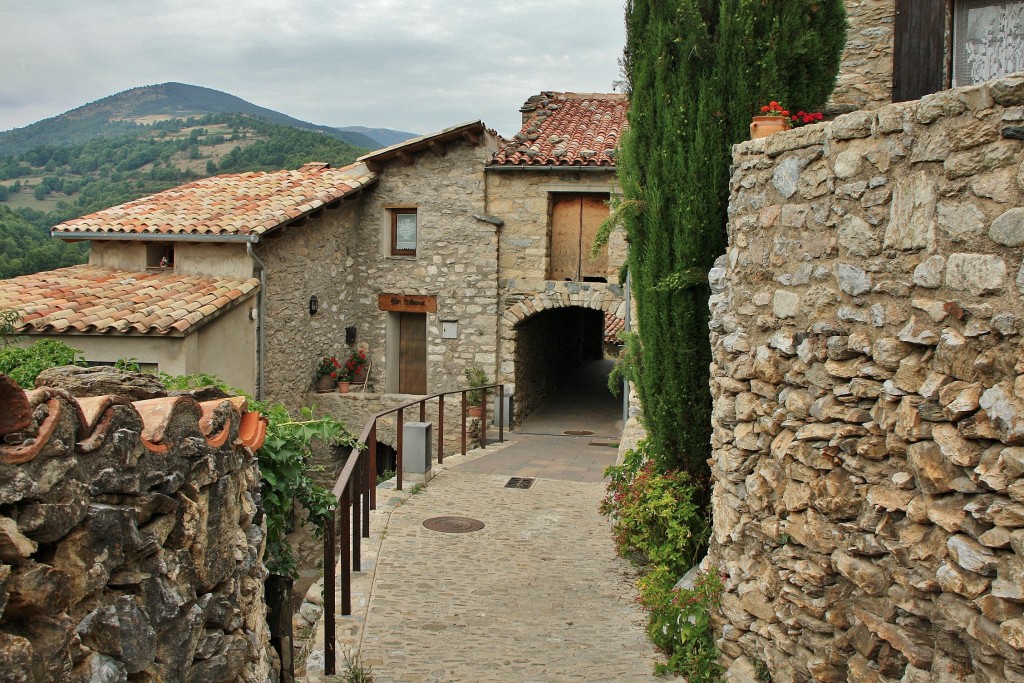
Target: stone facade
130,539
522,199
868,384
865,74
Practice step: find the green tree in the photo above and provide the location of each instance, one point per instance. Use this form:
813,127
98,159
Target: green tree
696,71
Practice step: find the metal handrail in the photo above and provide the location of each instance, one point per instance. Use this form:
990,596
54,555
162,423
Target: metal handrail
353,489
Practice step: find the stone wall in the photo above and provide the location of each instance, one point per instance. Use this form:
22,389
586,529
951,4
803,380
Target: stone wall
868,384
865,74
130,541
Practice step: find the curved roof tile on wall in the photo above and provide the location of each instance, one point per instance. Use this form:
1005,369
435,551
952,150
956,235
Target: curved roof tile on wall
236,204
567,129
94,419
94,299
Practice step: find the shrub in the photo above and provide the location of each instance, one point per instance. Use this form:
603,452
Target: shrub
24,363
680,623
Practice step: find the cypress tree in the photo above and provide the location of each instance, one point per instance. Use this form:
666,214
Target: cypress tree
697,70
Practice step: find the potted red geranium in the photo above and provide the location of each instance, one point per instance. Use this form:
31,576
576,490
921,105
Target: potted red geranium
351,370
773,118
327,373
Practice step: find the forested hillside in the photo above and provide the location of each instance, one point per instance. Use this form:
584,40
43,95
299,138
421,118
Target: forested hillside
49,184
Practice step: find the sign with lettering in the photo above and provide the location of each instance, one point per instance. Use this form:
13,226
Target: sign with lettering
407,303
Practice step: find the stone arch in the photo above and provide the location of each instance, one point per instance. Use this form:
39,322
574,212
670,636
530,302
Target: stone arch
567,310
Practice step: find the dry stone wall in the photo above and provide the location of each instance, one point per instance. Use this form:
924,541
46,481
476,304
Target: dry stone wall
868,384
130,540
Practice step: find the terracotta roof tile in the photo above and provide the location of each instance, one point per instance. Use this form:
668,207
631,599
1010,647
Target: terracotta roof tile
613,324
233,204
212,420
154,302
567,129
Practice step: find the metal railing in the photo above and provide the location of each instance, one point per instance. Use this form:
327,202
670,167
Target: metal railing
356,489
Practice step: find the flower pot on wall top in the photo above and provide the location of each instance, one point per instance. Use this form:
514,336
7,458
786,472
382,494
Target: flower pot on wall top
324,384
343,387
763,126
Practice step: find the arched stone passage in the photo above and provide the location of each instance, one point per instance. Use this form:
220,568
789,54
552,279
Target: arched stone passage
546,336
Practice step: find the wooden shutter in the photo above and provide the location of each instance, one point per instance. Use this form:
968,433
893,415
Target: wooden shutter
594,210
575,219
412,363
919,49
565,238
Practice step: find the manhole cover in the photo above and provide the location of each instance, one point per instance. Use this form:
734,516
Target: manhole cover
578,432
453,525
519,483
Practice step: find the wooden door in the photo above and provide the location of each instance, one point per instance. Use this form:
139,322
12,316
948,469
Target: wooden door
412,353
593,211
565,238
919,49
575,219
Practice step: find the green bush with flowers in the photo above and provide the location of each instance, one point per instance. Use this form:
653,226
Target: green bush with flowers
657,521
352,366
328,367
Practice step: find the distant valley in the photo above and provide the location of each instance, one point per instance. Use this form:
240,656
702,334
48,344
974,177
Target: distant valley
142,141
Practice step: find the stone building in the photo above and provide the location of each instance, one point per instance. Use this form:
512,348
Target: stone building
900,50
449,251
130,541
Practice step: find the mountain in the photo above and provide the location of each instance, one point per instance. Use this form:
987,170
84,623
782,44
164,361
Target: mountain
384,137
131,110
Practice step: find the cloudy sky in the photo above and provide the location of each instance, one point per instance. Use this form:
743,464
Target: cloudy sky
414,65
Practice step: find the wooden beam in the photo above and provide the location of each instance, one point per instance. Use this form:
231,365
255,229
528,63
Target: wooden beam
375,166
471,137
438,148
406,158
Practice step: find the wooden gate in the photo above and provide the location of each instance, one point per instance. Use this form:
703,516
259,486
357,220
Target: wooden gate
575,219
412,360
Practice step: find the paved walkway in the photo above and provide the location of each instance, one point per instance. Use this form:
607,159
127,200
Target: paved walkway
537,595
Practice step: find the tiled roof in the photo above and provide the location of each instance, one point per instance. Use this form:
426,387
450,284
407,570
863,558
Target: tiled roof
567,129
241,204
93,419
92,299
613,324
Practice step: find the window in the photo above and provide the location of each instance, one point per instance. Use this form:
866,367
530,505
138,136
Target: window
160,255
403,232
988,40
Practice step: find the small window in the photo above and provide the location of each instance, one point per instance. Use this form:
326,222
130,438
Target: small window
403,232
160,255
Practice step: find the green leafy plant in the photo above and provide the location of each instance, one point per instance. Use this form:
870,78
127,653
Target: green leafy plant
655,517
385,475
476,377
680,623
655,513
128,364
8,323
627,365
23,364
355,362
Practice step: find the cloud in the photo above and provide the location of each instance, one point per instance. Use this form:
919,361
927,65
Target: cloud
412,65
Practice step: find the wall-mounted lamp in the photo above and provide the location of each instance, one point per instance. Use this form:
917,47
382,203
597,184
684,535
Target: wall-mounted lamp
314,304
350,336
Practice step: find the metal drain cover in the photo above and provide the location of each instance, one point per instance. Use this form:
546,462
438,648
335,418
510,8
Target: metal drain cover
519,483
453,525
578,432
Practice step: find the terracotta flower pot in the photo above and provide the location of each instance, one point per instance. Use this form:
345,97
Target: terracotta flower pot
763,126
475,411
343,387
324,384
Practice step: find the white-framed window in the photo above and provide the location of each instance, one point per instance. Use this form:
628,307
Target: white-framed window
404,231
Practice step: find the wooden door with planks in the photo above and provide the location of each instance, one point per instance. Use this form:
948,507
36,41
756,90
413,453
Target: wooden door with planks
412,358
575,219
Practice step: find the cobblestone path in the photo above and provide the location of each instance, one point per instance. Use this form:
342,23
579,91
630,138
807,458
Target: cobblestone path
537,595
